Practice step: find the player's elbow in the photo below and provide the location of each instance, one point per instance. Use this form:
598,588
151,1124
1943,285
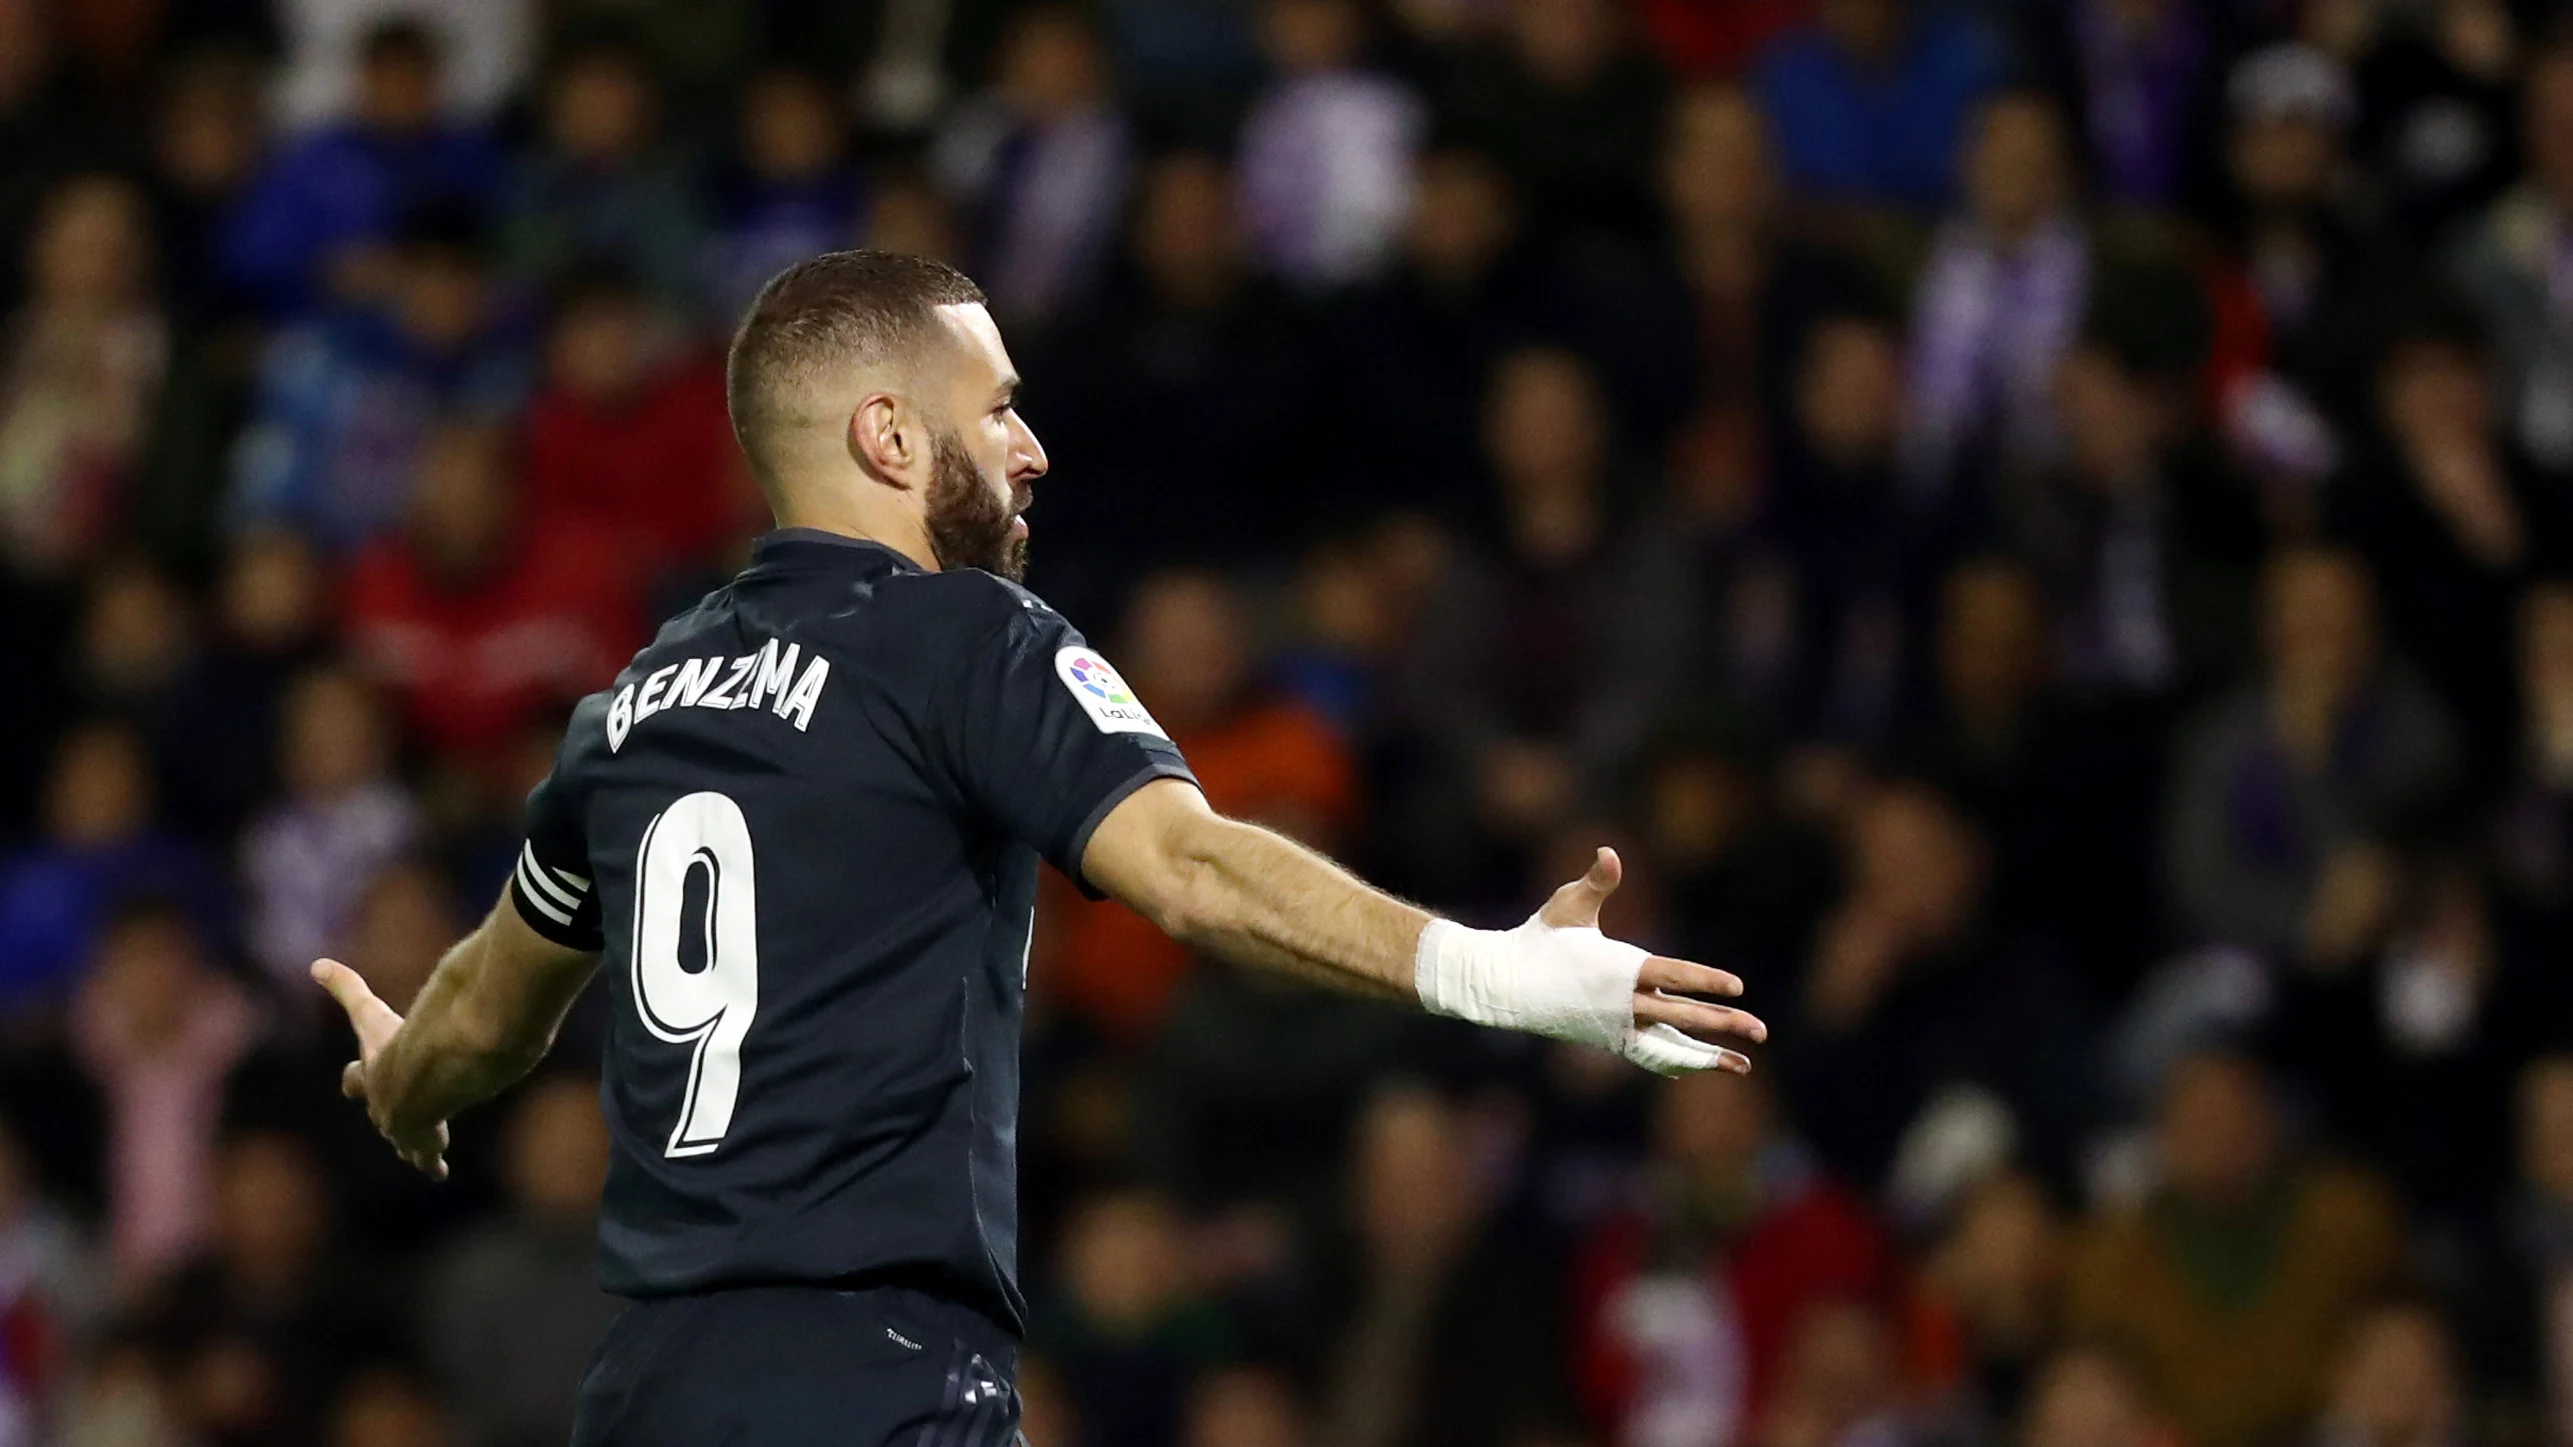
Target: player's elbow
1189,896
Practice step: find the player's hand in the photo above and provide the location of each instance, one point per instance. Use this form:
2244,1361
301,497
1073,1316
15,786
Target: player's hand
424,1147
1674,1028
1557,975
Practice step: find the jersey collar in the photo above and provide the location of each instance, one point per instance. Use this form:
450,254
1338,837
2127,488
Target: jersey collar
813,545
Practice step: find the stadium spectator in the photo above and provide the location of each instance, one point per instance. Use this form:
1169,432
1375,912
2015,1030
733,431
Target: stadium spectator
481,611
1190,657
317,224
2396,1382
1037,165
1855,546
1999,300
2509,1307
1129,1331
628,434
1410,352
122,1398
269,621
2417,1046
1439,1325
1869,98
132,654
2299,263
789,191
1246,1092
386,1407
1511,650
1992,1299
1247,1406
309,860
1704,40
2282,793
2506,265
1742,884
102,848
50,128
1041,1391
485,48
2439,123
1570,106
270,1319
1190,354
1249,1090
1841,1382
51,1295
2148,541
911,217
2140,78
514,1307
1326,152
209,129
403,923
603,188
1693,1301
2451,519
80,377
2089,1397
1755,284
406,918
2228,1282
2533,826
1993,733
156,1029
1182,67
346,401
1912,953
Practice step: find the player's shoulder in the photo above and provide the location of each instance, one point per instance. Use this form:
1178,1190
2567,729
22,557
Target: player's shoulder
957,608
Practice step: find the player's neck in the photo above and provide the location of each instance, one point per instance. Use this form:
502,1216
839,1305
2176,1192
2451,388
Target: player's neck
911,542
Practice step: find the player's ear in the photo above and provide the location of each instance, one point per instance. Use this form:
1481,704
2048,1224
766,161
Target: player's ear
884,440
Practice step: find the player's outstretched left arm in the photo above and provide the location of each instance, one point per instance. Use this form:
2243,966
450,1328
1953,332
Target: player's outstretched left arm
485,1018
1255,897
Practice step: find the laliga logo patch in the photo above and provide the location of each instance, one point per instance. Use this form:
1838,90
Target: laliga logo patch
1102,694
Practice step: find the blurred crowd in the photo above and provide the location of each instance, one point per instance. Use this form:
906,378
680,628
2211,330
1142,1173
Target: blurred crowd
2042,528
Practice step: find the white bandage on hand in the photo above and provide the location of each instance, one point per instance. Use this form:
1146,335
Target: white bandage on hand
1569,982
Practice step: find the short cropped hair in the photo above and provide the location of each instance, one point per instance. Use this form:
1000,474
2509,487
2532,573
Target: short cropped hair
839,309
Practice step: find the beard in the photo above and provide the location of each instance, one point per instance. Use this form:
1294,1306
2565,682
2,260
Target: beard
970,527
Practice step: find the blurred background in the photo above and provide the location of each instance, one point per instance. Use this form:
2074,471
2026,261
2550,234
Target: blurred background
2041,529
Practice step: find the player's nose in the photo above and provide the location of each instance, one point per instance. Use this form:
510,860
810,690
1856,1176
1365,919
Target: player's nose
1028,455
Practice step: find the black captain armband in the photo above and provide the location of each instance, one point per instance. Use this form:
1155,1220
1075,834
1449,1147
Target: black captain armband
557,904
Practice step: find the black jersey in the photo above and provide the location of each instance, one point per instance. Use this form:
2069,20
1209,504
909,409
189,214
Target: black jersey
803,825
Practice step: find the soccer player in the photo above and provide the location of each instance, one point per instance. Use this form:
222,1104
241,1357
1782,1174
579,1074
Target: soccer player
802,828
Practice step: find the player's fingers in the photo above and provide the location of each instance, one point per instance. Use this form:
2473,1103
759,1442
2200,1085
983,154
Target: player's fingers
371,1017
1697,1018
344,985
1577,904
426,1152
1681,977
1665,1051
352,1080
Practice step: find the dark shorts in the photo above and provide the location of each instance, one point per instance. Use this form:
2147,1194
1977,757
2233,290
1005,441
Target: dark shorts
801,1366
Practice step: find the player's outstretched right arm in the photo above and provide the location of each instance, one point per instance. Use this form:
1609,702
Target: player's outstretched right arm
1246,894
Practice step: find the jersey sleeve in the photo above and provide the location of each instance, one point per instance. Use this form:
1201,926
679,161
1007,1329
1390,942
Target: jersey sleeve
552,886
1046,737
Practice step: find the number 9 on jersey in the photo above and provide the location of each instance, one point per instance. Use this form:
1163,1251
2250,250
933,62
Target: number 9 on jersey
710,1006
